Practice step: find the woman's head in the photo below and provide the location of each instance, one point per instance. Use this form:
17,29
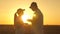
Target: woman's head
20,11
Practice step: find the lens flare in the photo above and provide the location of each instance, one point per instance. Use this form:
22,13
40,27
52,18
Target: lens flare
28,14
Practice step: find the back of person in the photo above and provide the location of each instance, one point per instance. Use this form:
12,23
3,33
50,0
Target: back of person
39,22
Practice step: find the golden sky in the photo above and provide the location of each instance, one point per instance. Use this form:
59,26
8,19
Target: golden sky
49,8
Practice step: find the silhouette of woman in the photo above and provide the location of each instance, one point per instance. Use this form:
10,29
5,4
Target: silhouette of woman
18,21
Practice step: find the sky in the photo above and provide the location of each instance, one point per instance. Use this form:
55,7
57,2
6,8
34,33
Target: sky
49,8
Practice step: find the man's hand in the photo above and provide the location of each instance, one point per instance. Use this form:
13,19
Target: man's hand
29,20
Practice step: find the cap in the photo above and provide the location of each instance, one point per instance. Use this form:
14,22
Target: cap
33,4
20,9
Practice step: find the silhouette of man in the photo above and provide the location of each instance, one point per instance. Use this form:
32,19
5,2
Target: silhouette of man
18,22
37,22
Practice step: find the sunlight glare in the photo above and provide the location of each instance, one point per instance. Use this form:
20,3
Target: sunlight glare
28,14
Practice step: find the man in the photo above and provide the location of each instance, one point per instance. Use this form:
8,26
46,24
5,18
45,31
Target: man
37,22
18,21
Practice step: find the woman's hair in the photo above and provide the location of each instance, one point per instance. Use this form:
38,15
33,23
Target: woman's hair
20,10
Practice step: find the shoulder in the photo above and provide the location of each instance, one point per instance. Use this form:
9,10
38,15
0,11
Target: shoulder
39,12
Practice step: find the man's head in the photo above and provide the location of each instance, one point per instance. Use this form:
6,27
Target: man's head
33,6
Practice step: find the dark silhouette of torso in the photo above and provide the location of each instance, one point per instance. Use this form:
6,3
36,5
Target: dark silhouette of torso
37,22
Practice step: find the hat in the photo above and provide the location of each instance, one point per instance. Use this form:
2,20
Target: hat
33,4
20,9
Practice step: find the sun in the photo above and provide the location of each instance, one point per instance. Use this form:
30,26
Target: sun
24,18
28,14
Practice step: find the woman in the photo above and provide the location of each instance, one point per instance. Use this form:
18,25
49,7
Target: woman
18,21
